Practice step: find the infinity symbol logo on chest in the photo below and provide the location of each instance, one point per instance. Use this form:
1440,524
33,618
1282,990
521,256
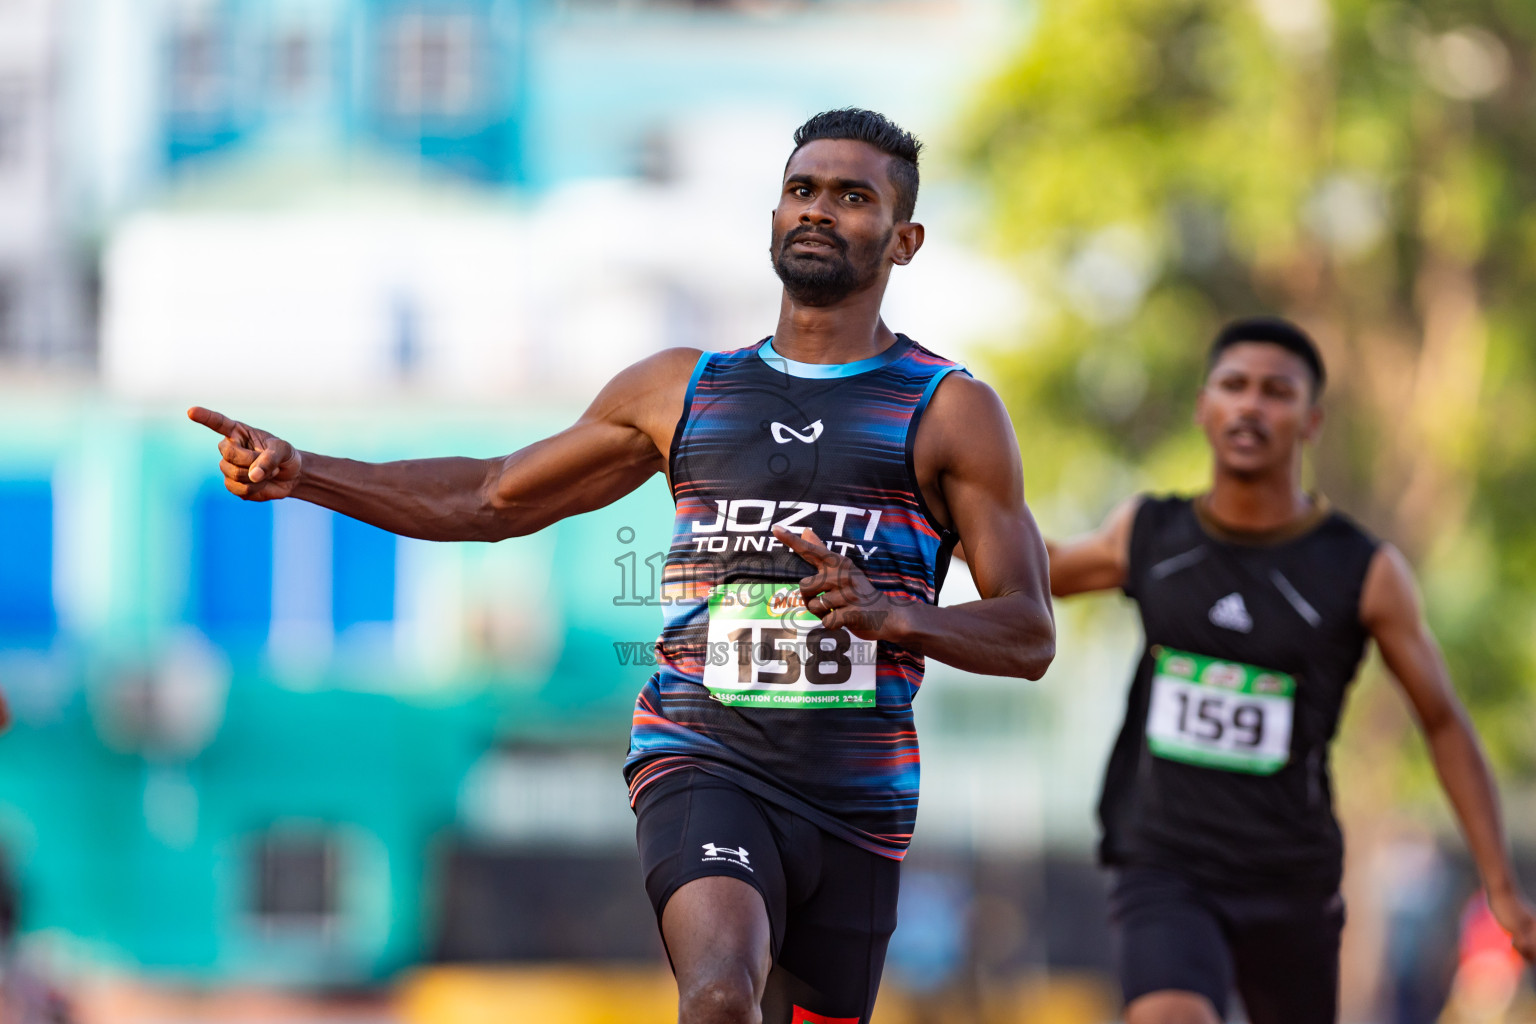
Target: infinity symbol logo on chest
783,434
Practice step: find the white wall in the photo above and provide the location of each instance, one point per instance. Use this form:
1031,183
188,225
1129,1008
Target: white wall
544,302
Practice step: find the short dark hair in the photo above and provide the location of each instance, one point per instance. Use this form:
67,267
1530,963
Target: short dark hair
879,131
1271,330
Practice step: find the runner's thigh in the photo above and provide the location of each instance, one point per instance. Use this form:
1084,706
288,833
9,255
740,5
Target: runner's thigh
690,825
1287,960
1167,938
828,971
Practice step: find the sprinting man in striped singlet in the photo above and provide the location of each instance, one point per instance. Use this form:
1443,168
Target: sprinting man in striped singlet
822,477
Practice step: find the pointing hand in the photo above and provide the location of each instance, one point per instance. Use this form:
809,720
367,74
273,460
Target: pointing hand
256,465
839,593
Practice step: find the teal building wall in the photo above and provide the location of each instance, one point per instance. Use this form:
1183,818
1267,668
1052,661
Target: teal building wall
153,755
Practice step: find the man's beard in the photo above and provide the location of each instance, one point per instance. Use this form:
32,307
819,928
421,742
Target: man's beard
828,278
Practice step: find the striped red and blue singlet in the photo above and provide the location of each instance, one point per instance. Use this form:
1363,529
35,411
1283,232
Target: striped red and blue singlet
766,440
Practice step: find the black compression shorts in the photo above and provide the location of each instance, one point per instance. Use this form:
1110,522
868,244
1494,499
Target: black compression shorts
831,905
1279,950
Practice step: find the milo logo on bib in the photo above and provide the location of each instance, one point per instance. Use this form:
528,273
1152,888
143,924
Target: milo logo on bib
766,650
1220,714
784,601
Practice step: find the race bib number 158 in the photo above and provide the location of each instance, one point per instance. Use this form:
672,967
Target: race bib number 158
766,650
1220,714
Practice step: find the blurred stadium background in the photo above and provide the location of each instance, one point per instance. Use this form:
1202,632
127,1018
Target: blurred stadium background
319,773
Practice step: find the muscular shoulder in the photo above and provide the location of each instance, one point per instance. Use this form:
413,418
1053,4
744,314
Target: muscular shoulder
669,369
965,439
959,394
1390,595
645,389
646,397
966,418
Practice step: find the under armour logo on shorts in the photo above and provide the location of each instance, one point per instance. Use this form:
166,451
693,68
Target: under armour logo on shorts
725,853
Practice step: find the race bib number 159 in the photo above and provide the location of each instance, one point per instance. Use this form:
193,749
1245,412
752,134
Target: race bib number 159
766,650
1220,714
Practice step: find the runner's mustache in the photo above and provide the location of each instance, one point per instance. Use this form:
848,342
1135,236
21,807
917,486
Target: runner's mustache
805,229
1249,424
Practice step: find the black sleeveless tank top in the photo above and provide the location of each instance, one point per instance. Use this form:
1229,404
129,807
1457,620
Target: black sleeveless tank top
1221,767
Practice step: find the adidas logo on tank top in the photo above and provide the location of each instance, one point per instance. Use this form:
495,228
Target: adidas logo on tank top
1231,613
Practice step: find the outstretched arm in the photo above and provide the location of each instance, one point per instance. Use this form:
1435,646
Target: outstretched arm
966,449
1390,609
614,447
1096,560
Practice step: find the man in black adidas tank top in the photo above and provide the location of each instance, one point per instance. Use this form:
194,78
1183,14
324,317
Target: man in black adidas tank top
1257,600
822,477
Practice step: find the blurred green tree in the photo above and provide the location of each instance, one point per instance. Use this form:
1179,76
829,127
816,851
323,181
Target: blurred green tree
1365,167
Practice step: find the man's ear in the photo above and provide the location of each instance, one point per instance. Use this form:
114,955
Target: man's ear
1313,426
1199,416
907,238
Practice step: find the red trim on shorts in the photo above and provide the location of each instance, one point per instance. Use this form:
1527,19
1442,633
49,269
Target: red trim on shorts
804,1016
